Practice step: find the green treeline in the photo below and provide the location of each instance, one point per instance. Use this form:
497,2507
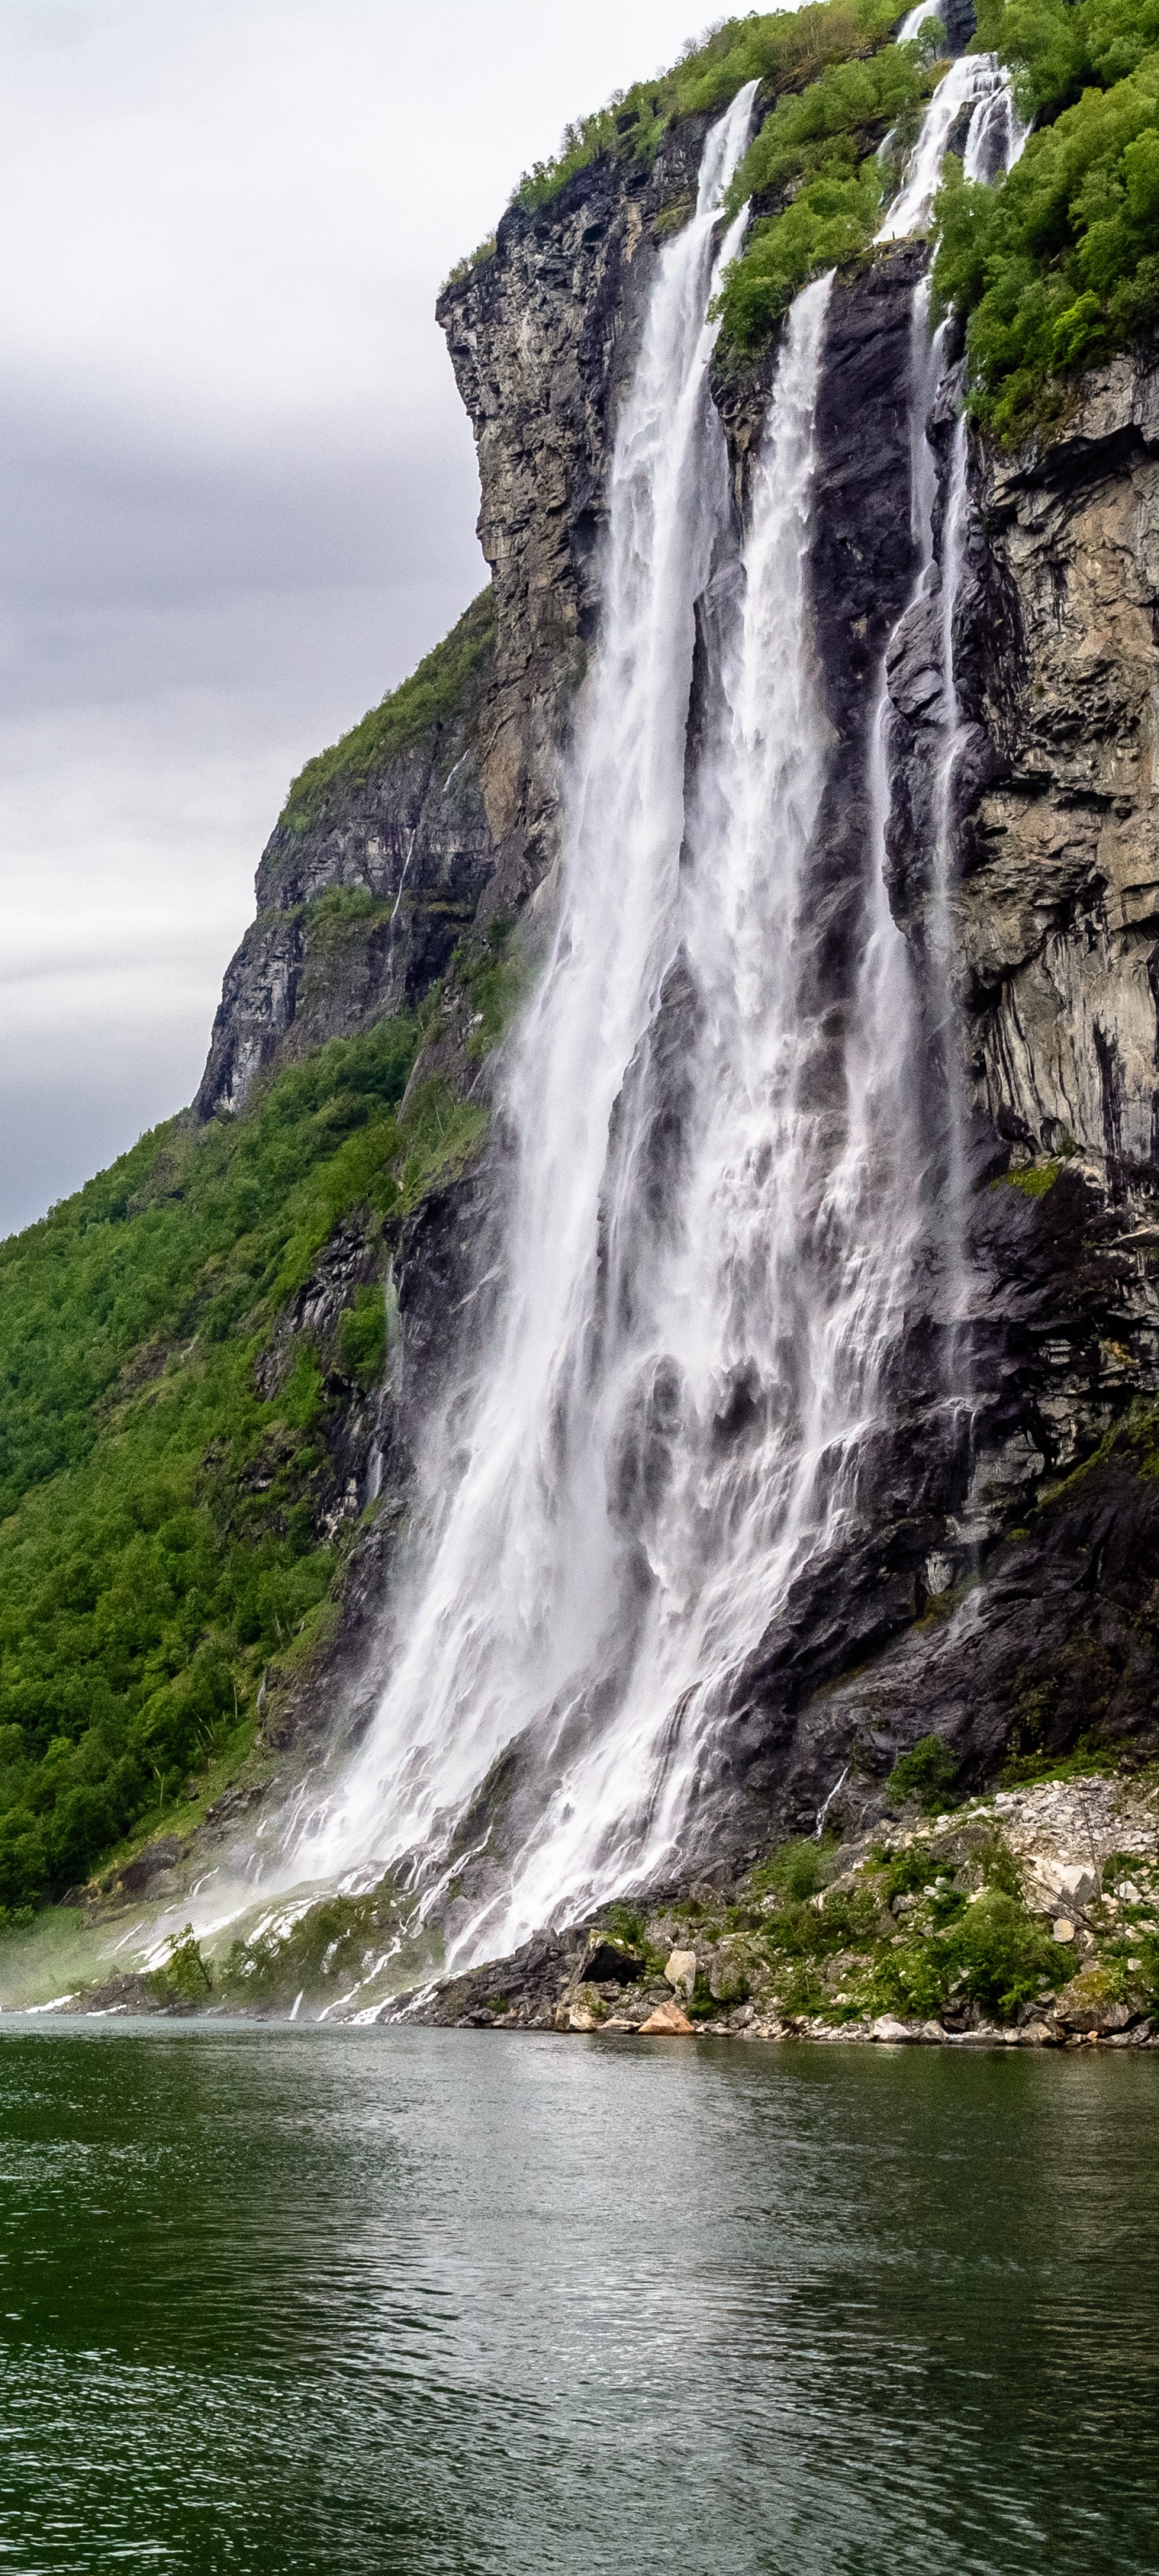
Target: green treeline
819,154
1058,266
782,47
159,1532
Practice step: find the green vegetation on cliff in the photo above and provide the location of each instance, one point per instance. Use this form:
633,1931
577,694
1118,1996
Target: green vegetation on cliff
819,155
782,48
162,1520
1058,266
438,690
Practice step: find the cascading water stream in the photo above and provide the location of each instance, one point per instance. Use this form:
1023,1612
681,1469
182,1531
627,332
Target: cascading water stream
994,141
716,1195
516,1568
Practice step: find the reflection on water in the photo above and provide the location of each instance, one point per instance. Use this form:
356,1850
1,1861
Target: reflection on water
287,2300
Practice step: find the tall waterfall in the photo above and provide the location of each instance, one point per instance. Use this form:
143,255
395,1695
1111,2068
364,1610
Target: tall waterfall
715,1203
995,137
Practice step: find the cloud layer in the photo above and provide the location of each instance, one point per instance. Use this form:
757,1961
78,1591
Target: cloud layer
240,492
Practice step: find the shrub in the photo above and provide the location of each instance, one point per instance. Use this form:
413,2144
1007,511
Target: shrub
993,1953
796,1871
924,1773
819,147
158,1539
360,1344
780,48
1058,265
185,1977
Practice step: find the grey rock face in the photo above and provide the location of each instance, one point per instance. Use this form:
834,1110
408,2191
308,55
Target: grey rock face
540,336
949,1612
413,844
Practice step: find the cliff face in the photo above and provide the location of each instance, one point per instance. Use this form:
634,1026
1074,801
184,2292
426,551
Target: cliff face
984,1596
411,851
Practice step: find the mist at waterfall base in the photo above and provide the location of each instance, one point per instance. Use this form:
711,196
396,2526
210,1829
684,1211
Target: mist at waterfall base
726,1195
307,2302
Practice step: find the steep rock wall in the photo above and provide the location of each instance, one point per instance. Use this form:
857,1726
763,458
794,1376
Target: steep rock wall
412,845
1035,1618
946,1613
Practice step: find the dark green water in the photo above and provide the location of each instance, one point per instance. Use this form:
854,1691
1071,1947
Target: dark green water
278,2300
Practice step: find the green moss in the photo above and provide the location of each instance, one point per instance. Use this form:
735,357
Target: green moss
440,689
1034,1181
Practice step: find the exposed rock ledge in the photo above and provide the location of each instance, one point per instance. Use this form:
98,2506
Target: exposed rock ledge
1069,1870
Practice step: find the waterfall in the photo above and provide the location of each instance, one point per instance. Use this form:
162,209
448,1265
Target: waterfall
975,82
520,1580
916,18
715,1196
994,139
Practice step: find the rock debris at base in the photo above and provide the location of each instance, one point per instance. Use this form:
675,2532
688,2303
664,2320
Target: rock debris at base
698,1966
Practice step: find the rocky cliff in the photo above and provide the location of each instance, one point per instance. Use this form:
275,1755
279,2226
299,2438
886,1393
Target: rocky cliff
1003,1587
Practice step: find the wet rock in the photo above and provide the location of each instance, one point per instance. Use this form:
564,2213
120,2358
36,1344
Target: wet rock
148,1865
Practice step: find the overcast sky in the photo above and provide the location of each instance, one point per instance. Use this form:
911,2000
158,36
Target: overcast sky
239,490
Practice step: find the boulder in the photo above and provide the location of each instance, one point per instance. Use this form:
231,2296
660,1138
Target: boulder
680,1970
1087,2009
148,1864
667,2022
573,2016
1077,1884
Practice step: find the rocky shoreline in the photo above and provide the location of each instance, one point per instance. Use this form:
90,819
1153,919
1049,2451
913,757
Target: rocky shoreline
1027,1920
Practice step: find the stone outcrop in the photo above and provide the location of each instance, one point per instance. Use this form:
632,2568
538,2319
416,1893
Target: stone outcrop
540,336
359,914
762,1959
1002,1583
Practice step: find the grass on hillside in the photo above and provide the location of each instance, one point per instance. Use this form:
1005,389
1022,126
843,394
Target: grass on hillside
819,153
159,1532
781,47
1058,266
435,692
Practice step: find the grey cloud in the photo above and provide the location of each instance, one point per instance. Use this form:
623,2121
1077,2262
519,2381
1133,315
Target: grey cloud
240,493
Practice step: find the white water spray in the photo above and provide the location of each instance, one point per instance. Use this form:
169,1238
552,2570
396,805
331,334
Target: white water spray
975,82
994,139
714,1206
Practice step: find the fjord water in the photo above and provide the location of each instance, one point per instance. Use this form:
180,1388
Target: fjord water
417,2303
